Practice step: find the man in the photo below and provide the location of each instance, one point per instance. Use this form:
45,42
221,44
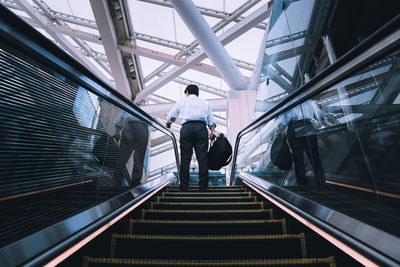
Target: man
134,137
196,114
301,134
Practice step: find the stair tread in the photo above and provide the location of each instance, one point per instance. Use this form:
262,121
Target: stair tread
207,211
208,203
212,262
209,221
207,237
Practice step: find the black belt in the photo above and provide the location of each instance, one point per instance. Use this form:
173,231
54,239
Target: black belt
194,122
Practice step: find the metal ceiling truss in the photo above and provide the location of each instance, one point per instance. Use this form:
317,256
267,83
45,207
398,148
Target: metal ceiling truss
180,46
101,57
219,26
44,20
97,39
57,15
202,87
61,27
232,33
207,12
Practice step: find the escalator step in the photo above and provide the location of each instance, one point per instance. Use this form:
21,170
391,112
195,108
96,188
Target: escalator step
207,214
206,194
206,199
208,247
210,188
315,262
209,205
202,227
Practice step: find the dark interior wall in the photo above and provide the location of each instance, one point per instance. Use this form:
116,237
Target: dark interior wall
355,20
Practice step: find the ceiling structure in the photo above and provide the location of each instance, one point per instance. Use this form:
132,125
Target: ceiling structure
144,49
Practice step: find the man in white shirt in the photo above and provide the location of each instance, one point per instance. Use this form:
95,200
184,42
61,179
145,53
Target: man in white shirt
196,114
301,134
134,138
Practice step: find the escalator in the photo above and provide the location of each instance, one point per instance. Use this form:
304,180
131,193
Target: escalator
61,204
225,226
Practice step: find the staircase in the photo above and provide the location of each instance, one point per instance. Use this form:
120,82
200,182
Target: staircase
225,226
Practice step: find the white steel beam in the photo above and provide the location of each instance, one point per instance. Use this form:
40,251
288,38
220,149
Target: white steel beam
109,37
64,43
66,31
210,44
255,77
259,15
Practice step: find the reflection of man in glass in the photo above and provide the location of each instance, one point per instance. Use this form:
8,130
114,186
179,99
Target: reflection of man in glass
301,135
134,137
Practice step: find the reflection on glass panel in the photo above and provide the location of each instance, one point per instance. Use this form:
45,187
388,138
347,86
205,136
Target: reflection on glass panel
341,148
162,156
63,149
293,36
365,116
132,136
254,153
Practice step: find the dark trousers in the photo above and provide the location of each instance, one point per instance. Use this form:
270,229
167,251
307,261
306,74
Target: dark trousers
308,144
134,137
194,135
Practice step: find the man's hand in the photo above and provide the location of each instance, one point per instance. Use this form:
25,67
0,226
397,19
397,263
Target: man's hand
168,125
212,133
117,135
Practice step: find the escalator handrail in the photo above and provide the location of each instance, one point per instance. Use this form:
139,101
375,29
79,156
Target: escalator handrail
19,35
373,243
65,235
382,41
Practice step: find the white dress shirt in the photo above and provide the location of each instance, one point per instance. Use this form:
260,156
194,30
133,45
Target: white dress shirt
192,108
124,117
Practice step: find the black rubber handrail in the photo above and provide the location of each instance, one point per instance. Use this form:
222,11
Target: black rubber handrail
367,240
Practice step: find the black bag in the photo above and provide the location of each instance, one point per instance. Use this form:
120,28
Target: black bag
280,152
220,153
108,158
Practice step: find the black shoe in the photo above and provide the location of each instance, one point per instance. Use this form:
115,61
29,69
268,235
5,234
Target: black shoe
202,189
183,189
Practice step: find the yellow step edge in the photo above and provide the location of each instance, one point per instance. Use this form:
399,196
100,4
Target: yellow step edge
115,236
206,211
261,203
205,193
228,197
208,237
144,211
224,262
282,221
210,187
207,221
